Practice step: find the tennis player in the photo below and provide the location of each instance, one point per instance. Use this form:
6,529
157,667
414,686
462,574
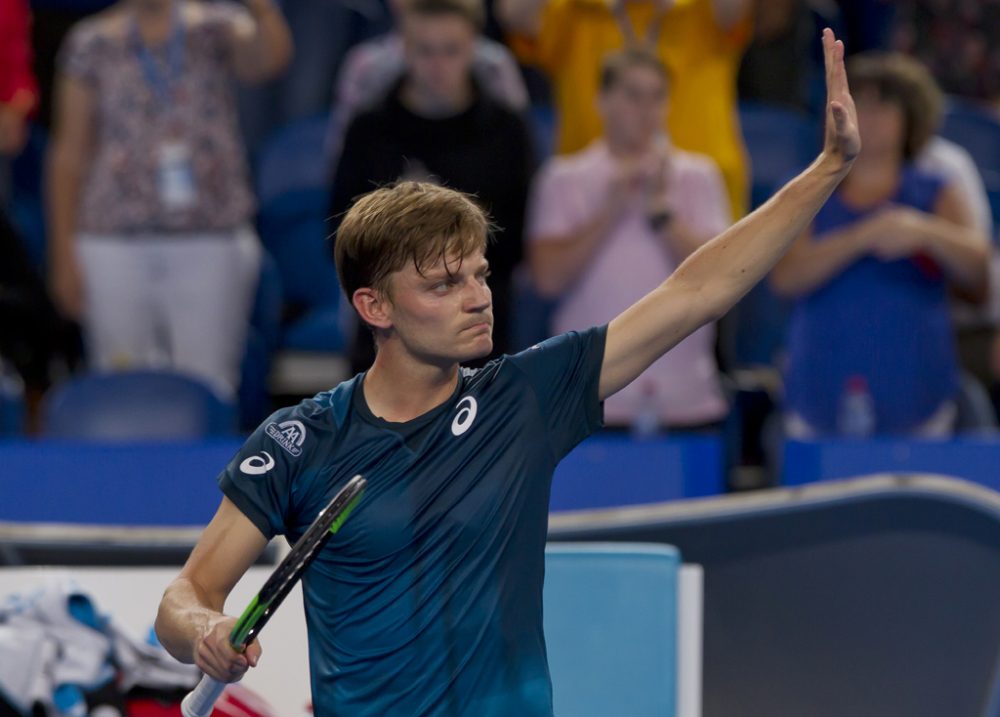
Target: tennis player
429,600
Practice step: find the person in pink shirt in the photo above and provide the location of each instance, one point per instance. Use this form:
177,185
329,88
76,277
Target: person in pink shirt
611,222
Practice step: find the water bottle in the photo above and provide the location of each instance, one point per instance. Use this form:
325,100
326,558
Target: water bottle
646,422
856,418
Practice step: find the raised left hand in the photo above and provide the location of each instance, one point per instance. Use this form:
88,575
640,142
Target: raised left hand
842,141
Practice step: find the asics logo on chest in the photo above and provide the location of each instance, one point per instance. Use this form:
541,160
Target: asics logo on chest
467,408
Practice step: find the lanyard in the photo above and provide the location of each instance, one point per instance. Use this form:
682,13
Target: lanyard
160,81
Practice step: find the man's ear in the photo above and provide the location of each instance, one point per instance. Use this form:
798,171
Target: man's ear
373,307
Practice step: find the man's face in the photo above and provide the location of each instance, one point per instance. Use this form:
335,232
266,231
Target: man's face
439,52
442,318
634,107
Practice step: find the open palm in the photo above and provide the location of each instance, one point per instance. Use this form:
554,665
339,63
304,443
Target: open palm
842,138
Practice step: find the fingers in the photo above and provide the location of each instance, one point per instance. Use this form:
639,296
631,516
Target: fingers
221,662
253,653
836,75
215,656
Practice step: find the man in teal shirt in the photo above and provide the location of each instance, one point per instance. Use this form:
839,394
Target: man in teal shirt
429,600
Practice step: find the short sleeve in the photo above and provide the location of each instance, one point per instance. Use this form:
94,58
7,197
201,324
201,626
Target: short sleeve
551,207
260,477
564,373
79,56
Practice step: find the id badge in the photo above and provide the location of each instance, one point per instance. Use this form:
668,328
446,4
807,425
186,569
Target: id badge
176,176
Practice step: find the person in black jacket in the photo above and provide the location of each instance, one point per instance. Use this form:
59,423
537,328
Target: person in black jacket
436,125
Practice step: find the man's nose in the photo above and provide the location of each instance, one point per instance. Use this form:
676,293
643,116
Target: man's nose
479,296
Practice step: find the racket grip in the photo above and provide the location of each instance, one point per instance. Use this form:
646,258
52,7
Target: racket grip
200,700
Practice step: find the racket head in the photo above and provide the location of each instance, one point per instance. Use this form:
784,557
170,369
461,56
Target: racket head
289,570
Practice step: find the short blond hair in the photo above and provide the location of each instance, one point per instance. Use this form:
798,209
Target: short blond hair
404,222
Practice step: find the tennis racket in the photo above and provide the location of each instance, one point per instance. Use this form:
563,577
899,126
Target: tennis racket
199,702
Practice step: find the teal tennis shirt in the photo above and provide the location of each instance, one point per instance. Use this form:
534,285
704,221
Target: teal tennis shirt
429,600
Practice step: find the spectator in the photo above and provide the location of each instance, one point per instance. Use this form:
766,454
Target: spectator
784,62
18,89
868,23
958,40
31,334
700,41
610,223
149,199
372,68
871,277
436,123
976,325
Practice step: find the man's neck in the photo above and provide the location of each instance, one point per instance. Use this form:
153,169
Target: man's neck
399,388
424,104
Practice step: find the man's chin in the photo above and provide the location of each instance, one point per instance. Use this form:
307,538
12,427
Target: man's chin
483,347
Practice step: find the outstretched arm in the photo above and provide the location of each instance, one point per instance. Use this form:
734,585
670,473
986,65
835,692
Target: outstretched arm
714,278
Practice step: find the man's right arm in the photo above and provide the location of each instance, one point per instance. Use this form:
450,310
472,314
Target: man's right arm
190,623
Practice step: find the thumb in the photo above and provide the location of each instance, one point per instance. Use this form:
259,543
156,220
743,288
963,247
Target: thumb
839,117
253,653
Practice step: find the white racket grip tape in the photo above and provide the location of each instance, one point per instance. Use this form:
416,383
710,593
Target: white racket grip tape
201,699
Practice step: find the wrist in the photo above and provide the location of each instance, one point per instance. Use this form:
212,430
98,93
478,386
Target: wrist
833,165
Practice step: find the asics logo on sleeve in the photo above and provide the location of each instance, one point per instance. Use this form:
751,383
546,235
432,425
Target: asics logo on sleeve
467,408
257,465
290,435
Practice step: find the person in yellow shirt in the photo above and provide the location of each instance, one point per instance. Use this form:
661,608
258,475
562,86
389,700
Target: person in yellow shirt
700,41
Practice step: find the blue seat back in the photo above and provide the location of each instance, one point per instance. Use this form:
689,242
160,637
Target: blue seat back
137,406
294,231
293,159
781,142
977,129
611,628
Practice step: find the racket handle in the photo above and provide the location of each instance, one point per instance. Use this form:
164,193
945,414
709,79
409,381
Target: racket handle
201,699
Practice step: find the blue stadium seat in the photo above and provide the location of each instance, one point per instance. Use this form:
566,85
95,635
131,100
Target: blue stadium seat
265,317
294,231
611,628
992,182
293,159
11,405
542,121
977,129
319,330
136,406
781,143
27,206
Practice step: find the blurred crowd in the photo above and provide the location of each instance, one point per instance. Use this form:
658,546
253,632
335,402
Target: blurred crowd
172,172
